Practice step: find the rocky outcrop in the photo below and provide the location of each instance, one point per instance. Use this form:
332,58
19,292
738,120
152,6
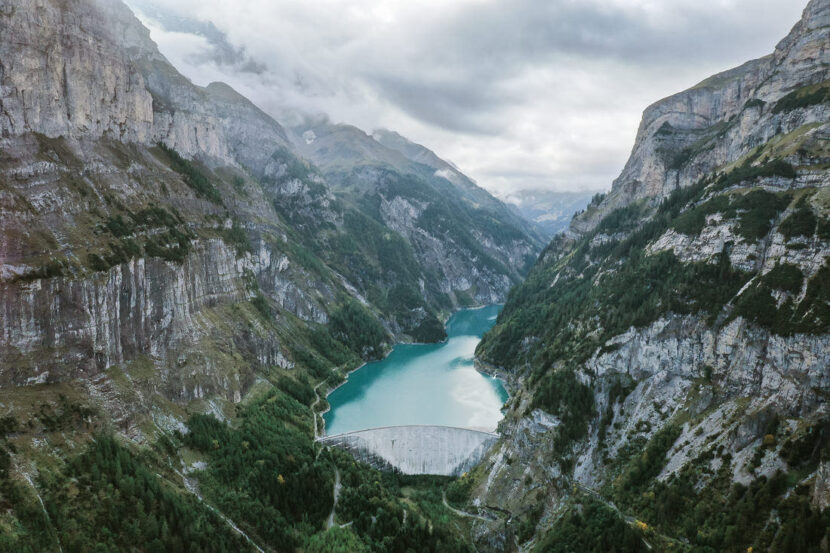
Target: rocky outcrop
731,381
722,119
728,389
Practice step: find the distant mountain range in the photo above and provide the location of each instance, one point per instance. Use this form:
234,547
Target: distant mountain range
183,278
551,210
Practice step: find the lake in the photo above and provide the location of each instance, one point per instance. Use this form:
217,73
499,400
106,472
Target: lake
423,384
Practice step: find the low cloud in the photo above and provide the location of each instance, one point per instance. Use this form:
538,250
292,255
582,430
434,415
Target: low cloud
519,94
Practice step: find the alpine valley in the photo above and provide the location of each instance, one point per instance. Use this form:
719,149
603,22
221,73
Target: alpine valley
183,279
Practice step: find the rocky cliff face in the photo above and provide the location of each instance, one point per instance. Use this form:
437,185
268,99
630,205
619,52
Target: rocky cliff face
47,68
722,119
450,223
146,217
60,49
670,356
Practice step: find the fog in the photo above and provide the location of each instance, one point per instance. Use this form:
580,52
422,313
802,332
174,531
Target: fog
520,94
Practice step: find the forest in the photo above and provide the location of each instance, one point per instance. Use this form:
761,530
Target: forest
261,469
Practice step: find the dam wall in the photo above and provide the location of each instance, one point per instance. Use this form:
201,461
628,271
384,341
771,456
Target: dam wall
442,450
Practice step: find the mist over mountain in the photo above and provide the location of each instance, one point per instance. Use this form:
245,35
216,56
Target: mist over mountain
536,95
552,211
188,269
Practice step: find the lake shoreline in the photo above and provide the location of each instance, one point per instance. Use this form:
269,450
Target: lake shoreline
396,344
466,403
329,392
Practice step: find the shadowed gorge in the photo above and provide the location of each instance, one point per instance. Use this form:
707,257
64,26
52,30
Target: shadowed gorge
237,326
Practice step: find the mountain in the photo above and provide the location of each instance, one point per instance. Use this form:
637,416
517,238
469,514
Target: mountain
474,247
183,278
723,118
668,355
551,210
169,250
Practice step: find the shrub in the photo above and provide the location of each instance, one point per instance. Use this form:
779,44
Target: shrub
757,305
353,325
336,540
300,390
802,222
803,97
192,175
645,467
238,238
261,305
154,216
53,268
590,526
807,446
118,226
747,172
97,263
692,221
560,393
758,210
785,277
458,492
170,246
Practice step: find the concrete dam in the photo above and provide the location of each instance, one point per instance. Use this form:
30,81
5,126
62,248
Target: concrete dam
416,449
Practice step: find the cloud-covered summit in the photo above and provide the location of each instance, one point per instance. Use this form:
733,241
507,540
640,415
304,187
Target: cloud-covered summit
520,94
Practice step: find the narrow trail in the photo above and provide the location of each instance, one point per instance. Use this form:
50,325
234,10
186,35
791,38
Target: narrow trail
314,408
45,512
337,487
192,488
630,520
462,513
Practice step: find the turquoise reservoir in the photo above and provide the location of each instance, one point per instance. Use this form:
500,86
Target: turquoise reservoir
423,384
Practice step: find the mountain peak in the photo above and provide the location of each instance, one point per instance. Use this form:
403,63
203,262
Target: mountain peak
816,15
720,120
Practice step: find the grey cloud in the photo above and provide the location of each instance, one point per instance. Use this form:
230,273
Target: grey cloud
499,40
520,93
460,105
221,51
531,31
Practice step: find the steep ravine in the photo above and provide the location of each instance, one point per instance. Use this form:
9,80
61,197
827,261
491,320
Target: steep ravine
671,354
169,257
245,220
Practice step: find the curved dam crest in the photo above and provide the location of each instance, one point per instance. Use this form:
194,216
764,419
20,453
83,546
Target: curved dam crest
424,409
416,449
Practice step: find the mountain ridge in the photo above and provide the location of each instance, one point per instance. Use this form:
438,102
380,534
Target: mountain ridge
669,353
169,263
146,200
702,126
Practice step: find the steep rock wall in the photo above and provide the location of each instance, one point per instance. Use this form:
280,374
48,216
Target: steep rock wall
714,124
46,70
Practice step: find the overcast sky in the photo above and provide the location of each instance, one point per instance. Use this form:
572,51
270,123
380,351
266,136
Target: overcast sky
517,93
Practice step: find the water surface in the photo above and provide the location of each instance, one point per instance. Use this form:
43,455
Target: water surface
423,384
